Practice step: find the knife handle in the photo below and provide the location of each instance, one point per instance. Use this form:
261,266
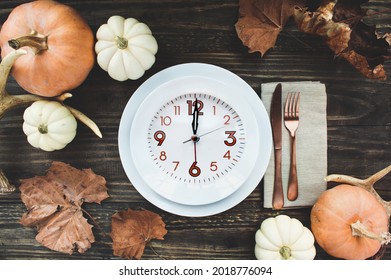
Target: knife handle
278,195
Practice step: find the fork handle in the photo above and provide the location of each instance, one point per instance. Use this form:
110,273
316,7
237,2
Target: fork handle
293,185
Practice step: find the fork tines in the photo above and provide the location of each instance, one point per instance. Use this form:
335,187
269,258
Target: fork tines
292,105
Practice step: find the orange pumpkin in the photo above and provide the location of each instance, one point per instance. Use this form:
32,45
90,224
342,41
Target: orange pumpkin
335,212
61,52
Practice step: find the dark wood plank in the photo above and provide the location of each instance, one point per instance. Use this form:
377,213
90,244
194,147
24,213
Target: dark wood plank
226,235
358,115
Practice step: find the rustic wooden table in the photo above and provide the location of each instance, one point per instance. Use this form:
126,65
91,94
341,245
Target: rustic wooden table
358,118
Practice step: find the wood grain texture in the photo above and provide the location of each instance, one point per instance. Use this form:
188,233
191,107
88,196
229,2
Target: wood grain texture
358,117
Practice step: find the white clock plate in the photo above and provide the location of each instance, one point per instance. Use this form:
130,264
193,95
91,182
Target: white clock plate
157,112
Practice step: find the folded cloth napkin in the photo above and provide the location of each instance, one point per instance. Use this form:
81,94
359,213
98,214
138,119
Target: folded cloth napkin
311,144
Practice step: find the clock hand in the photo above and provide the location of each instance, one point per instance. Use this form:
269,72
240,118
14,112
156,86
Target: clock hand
195,152
194,170
194,123
206,133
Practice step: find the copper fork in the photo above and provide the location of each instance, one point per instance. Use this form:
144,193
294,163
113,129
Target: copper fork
291,122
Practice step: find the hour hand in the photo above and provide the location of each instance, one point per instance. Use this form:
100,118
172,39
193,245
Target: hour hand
194,123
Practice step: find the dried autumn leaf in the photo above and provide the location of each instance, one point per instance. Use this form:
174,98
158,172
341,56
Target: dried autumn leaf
340,24
132,230
260,22
54,203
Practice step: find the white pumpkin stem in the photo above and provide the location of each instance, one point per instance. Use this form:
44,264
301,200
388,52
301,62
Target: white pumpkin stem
285,252
122,43
359,229
9,101
366,184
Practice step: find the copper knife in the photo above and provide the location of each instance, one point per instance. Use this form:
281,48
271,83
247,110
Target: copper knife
276,122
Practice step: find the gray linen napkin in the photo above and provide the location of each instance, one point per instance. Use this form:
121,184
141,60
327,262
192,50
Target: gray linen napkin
311,144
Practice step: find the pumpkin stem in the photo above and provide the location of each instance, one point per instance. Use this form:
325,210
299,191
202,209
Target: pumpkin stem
122,43
285,252
35,41
360,230
366,184
43,128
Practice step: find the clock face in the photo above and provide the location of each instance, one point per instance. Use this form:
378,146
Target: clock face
194,146
196,157
195,139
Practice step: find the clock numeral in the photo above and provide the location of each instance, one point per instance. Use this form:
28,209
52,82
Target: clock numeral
227,118
165,121
159,136
191,104
213,166
231,137
163,156
177,110
176,165
214,110
227,155
194,170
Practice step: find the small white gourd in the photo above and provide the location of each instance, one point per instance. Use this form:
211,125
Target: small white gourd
284,238
49,125
125,48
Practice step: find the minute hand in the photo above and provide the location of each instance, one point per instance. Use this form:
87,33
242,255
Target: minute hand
194,123
206,133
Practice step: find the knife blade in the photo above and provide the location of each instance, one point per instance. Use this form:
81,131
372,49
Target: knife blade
276,122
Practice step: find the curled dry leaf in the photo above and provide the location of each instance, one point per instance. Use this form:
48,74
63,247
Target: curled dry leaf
54,206
260,22
132,230
340,24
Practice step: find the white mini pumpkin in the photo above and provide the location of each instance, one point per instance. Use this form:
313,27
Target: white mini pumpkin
284,238
125,48
49,125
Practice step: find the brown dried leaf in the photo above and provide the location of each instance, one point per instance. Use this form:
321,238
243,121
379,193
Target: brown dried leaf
260,22
132,230
337,35
54,203
340,24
